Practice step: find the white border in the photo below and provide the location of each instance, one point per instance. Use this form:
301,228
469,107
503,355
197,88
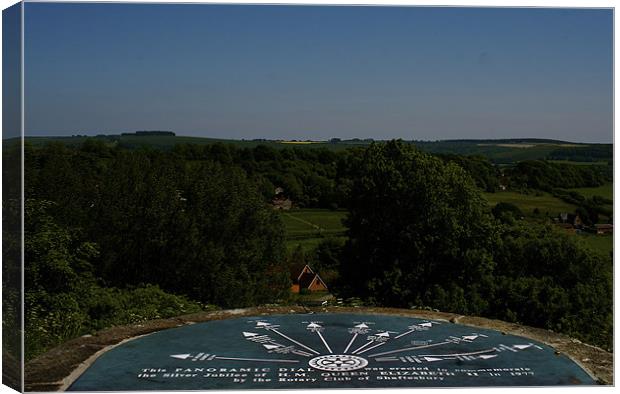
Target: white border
466,3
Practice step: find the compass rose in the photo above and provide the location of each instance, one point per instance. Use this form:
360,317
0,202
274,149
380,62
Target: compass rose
338,362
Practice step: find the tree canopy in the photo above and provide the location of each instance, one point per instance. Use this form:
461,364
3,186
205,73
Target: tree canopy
414,221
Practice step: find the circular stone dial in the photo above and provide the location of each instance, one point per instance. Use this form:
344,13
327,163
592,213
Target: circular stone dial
327,350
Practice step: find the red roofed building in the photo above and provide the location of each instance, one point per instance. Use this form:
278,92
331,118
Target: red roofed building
303,277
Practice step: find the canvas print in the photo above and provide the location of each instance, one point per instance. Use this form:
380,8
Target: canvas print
242,197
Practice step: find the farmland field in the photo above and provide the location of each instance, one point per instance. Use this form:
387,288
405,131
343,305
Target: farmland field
546,203
601,243
580,163
606,191
552,206
308,227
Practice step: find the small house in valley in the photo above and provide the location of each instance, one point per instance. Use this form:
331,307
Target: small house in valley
604,228
569,222
280,200
572,219
304,278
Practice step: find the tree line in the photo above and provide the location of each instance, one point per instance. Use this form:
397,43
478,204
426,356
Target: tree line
545,175
322,178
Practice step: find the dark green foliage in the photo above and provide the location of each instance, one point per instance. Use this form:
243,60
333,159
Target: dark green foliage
544,175
326,260
103,224
414,221
546,278
586,153
485,174
11,275
317,177
321,178
63,299
506,212
52,319
11,262
309,177
194,227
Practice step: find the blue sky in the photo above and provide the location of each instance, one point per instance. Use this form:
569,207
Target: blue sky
11,67
319,72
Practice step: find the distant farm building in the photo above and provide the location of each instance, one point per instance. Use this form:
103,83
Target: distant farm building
568,218
604,228
304,278
280,201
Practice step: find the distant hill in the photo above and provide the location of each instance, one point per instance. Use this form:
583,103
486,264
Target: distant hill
514,141
499,151
151,132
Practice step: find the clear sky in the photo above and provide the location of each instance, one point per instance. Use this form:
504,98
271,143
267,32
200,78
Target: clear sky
302,72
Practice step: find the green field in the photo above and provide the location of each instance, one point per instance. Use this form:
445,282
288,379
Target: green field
606,191
552,206
580,163
546,203
601,243
308,227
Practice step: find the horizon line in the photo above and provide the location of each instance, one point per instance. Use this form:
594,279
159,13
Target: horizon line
258,139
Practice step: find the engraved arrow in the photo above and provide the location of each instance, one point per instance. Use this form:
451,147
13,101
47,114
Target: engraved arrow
249,334
382,335
317,328
181,356
283,349
425,346
268,360
204,356
431,359
460,354
269,344
357,329
273,329
415,328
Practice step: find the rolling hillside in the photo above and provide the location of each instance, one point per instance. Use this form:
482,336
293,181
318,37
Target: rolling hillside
502,151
